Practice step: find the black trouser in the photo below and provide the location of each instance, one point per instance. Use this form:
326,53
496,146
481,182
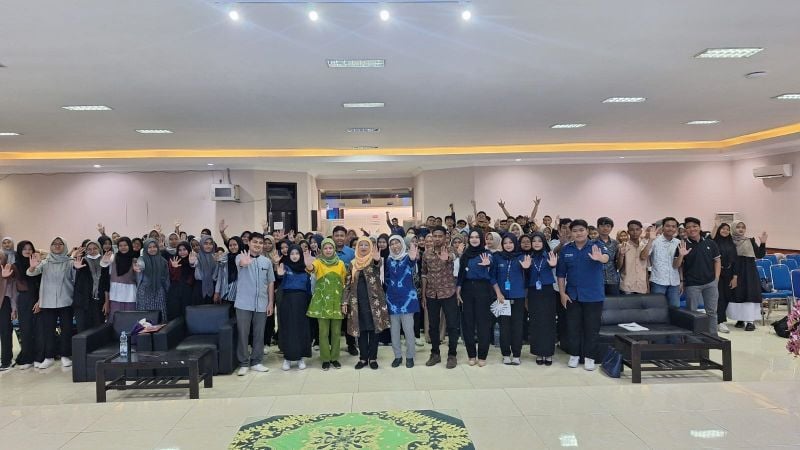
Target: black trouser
350,340
511,328
583,327
27,327
312,322
477,297
612,289
49,317
5,332
450,307
367,346
418,322
89,315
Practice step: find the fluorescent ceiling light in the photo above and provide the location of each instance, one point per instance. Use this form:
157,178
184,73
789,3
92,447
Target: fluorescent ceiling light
787,97
518,160
363,130
703,122
234,15
210,164
723,53
9,133
97,166
364,105
560,126
365,170
154,131
625,100
356,63
87,108
365,147
385,16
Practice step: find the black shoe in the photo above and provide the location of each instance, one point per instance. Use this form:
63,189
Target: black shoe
397,362
373,365
433,360
539,360
739,324
360,365
409,362
352,350
5,367
750,327
548,362
326,365
336,365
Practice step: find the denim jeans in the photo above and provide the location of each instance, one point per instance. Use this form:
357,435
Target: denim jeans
673,293
709,295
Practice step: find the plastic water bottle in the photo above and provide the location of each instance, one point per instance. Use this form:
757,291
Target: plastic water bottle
123,345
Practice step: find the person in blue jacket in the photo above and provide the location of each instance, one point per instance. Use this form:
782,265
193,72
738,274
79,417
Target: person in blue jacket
508,279
474,293
295,335
580,283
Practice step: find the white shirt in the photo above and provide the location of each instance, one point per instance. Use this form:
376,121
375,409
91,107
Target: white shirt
662,254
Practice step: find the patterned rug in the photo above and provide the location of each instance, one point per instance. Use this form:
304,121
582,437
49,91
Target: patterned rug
347,431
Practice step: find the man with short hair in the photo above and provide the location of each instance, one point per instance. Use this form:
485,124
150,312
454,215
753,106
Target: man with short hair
610,273
255,296
462,226
394,226
631,264
664,277
439,294
699,259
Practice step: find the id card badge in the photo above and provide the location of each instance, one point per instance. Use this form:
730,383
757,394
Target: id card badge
538,285
508,286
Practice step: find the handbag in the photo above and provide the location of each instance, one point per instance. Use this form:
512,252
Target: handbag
612,363
781,327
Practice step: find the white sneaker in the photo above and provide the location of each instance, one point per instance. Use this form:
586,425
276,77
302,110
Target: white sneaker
36,364
242,371
286,365
260,368
266,350
515,361
722,328
506,360
573,361
66,362
47,363
24,366
301,365
588,364
420,342
316,348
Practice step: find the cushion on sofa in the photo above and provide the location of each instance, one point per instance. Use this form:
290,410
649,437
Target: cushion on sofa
642,309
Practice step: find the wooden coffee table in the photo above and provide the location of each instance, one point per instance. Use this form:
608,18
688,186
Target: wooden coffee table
171,359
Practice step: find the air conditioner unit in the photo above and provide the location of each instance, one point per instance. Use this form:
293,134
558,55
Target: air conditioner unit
225,192
780,171
727,217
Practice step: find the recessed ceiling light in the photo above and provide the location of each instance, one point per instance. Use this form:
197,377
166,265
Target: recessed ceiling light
154,131
363,130
87,108
787,97
384,15
356,63
313,15
364,105
210,164
466,15
9,133
621,157
560,126
365,147
703,122
234,15
625,100
744,52
365,170
518,160
97,166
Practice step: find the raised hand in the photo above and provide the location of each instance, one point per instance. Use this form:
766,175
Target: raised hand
552,259
276,258
281,270
444,255
470,219
244,261
35,259
265,225
623,248
763,237
376,254
526,262
486,260
472,202
220,257
107,257
501,203
78,263
136,267
222,226
177,224
281,235
101,229
596,254
6,271
193,258
291,235
682,249
538,200
652,233
460,248
158,228
175,262
413,252
307,258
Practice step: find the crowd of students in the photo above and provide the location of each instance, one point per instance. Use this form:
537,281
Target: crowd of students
440,277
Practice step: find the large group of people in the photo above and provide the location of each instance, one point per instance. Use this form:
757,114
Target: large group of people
540,283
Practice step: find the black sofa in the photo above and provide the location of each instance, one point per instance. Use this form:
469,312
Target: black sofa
652,311
98,343
203,326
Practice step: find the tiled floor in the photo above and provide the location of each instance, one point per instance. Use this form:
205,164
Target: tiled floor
503,407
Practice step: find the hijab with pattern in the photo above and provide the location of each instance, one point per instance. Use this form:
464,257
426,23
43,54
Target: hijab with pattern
334,259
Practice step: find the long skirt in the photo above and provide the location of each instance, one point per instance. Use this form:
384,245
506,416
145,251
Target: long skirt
147,300
295,336
180,296
542,306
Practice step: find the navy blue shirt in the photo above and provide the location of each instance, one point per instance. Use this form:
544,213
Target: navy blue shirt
540,271
585,282
296,281
505,269
475,272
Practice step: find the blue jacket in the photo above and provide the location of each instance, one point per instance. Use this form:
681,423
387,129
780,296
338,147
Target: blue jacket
584,276
504,269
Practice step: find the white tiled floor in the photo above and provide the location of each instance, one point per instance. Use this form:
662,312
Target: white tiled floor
503,407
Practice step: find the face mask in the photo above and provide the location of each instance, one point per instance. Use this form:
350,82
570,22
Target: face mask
93,257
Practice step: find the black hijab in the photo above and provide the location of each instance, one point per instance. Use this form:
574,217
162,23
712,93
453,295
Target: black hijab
727,248
384,252
513,253
233,270
545,246
470,252
530,239
297,267
187,271
24,263
123,261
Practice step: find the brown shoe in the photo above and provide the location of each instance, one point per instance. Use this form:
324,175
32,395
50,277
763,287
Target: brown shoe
433,360
451,362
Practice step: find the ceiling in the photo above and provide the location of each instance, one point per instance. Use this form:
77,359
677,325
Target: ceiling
501,79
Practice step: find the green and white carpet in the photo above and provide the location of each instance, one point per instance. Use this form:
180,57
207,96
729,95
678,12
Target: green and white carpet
417,430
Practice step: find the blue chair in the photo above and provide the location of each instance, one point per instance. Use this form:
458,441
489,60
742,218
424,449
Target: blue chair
791,264
772,258
795,274
794,257
781,289
765,264
761,274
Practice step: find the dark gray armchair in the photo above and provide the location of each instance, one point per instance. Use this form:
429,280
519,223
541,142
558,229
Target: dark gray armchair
203,326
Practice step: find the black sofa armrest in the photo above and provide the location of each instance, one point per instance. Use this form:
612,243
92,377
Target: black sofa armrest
226,346
86,342
689,320
169,336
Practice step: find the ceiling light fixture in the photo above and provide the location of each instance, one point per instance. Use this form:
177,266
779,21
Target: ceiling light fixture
87,108
727,53
154,131
364,105
625,100
363,130
466,15
9,133
234,15
384,15
621,157
790,96
313,15
365,147
562,126
97,166
210,164
518,160
703,122
365,170
356,63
